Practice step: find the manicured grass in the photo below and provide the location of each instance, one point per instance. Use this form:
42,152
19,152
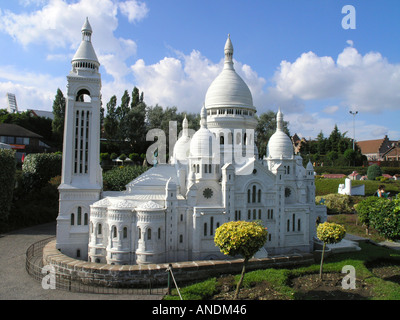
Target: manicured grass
279,279
327,186
353,226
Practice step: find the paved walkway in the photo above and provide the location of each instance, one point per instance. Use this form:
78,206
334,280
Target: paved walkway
17,284
390,244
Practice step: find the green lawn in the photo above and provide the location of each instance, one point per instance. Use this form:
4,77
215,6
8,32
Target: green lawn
327,186
279,279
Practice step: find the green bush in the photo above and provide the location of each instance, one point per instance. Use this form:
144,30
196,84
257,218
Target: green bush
387,220
374,171
117,178
336,203
104,156
7,181
381,214
39,168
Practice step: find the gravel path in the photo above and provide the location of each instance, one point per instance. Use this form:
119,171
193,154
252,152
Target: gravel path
17,284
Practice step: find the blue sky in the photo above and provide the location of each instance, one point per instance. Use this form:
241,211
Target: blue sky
293,54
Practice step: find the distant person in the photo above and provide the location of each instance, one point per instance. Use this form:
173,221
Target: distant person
382,193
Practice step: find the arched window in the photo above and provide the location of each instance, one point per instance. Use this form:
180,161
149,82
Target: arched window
180,238
259,196
205,228
139,233
159,233
248,195
72,219
83,95
254,214
211,226
86,219
114,231
125,232
99,229
254,194
79,216
294,222
221,139
149,234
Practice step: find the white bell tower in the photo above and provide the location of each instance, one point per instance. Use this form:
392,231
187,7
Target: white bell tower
81,182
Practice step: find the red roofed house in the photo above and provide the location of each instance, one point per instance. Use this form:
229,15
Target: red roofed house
393,154
375,149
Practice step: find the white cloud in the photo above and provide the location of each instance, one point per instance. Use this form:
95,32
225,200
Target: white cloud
134,10
183,80
331,109
58,23
32,90
368,83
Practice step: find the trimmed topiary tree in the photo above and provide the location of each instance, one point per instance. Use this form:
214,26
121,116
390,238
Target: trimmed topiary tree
329,233
373,172
241,238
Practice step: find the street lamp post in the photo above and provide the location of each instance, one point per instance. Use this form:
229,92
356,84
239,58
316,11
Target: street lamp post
354,126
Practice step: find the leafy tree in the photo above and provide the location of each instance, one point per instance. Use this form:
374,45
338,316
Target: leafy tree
332,156
329,233
137,128
110,121
321,143
59,104
122,112
350,155
7,181
241,238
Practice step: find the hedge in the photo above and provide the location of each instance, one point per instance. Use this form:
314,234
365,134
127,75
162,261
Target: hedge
117,178
381,214
7,181
39,168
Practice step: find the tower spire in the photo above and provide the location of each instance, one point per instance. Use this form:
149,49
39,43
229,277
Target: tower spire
87,31
228,53
279,120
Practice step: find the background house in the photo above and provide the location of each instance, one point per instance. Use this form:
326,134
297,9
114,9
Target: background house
375,149
21,140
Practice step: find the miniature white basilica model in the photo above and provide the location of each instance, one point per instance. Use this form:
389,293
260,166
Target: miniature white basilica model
170,212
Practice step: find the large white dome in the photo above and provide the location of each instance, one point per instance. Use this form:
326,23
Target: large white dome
228,89
279,145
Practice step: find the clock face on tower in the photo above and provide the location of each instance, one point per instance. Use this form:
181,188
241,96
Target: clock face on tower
207,193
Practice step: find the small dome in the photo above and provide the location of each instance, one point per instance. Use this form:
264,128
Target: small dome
228,89
182,146
203,140
279,145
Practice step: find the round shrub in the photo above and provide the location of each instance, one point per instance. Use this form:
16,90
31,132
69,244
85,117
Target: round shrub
240,238
330,232
374,171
